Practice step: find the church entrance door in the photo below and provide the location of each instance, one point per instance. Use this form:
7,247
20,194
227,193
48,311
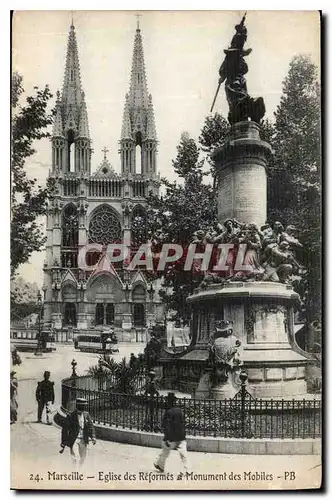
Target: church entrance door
139,315
104,314
70,314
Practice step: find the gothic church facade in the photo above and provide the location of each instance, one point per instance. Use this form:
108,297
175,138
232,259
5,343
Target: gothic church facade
94,209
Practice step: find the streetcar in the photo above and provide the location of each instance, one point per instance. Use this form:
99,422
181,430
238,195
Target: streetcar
27,341
104,342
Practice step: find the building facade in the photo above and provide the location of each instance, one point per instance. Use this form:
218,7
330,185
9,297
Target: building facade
91,210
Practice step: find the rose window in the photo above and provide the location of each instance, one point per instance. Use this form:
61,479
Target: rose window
104,227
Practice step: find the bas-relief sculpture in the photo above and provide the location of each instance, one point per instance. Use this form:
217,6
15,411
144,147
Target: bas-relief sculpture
269,252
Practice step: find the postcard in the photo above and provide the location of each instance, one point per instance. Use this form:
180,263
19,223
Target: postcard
165,250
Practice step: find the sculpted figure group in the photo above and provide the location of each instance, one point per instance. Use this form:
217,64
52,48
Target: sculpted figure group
269,251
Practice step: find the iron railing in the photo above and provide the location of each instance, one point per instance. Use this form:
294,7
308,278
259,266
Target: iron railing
239,417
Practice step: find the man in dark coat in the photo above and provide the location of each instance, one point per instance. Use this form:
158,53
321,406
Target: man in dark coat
77,430
45,397
174,434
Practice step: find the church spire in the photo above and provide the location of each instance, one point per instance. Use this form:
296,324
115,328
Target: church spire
138,93
72,87
138,125
71,119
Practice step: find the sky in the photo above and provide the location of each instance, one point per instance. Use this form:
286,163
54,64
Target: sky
183,51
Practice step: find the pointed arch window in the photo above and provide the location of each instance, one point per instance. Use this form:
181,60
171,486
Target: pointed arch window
71,151
138,153
70,226
138,159
139,230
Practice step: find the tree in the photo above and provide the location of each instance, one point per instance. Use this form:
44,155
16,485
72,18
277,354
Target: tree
23,298
214,134
174,217
294,175
28,199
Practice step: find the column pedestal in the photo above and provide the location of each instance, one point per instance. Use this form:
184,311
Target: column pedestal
262,315
241,165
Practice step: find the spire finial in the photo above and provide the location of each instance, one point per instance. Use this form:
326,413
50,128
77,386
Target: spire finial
72,19
137,27
105,150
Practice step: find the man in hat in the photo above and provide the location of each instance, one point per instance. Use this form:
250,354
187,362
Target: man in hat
13,400
174,434
45,397
77,430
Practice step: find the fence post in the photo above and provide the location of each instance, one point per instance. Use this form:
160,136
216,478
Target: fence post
73,384
243,377
100,375
74,374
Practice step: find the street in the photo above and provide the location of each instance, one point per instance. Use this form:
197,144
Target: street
37,464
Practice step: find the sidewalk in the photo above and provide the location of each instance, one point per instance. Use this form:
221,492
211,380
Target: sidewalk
35,453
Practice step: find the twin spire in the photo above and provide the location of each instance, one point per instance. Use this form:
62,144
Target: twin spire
71,117
138,116
71,111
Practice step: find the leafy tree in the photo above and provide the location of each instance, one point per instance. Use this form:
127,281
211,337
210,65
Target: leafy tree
23,298
28,199
214,134
173,217
294,176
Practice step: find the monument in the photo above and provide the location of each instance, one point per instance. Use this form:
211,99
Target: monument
259,298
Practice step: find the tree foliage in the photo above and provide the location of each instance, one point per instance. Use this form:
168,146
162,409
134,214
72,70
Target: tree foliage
28,198
23,298
173,217
213,134
294,176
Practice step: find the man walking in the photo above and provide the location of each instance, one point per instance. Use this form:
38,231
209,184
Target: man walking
77,430
45,397
174,434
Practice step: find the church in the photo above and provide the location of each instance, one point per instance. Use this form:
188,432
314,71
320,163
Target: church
97,207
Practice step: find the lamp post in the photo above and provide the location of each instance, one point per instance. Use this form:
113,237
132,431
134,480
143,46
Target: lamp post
38,351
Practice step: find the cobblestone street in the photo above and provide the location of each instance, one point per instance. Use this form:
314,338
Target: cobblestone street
36,462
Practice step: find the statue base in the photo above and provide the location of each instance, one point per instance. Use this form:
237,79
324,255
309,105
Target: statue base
263,320
241,165
226,390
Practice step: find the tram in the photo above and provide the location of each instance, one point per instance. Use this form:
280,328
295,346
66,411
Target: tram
27,340
105,342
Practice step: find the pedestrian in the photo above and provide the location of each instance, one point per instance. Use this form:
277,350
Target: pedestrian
152,401
45,397
76,432
13,400
174,434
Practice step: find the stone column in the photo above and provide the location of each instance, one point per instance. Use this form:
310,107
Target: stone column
241,165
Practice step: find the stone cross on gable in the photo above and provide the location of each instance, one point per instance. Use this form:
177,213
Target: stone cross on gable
105,150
